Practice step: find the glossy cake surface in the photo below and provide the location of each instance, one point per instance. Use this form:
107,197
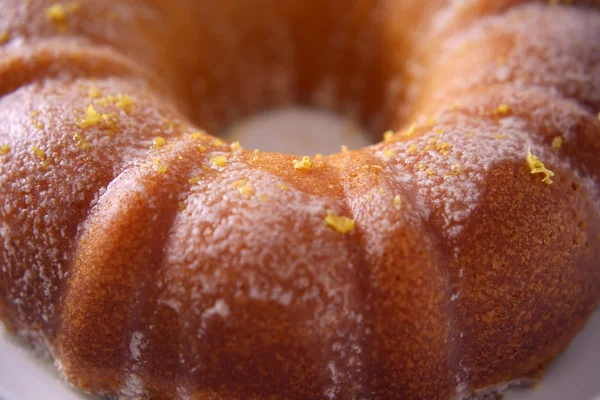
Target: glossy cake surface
152,260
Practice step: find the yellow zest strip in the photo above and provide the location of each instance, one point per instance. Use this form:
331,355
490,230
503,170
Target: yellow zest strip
538,167
339,223
304,164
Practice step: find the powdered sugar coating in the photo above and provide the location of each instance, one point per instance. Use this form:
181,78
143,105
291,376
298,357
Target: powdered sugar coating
188,267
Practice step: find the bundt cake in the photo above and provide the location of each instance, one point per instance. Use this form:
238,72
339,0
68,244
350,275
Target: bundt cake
151,260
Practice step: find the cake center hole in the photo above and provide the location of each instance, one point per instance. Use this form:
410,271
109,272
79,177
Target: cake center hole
298,130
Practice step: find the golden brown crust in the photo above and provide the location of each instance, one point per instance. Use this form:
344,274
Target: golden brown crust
152,260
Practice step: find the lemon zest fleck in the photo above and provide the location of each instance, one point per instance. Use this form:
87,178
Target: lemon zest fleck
388,154
537,167
57,14
39,153
443,147
124,102
304,164
219,161
456,170
159,166
397,202
424,168
34,120
557,142
503,110
158,142
80,141
92,118
244,188
388,136
339,223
